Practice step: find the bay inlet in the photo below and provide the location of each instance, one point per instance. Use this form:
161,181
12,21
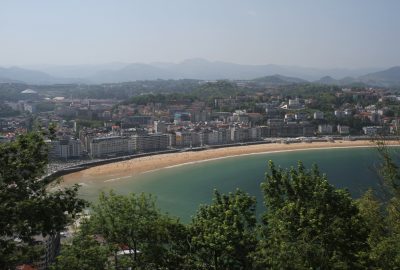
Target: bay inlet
181,189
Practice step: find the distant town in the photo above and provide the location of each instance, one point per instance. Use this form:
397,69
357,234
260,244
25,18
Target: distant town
204,114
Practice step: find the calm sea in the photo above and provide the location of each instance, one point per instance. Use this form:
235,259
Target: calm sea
181,189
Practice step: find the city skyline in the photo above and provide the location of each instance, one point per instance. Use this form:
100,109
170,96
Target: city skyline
324,34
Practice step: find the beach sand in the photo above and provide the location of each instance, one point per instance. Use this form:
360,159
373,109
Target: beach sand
150,163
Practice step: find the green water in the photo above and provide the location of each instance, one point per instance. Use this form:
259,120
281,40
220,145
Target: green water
180,190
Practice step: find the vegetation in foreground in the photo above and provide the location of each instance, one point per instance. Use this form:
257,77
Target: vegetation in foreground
308,223
27,209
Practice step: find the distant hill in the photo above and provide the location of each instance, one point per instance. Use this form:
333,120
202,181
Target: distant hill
7,80
386,78
20,75
277,80
76,71
133,72
327,80
198,69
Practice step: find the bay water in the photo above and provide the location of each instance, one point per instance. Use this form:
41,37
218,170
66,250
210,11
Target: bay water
180,190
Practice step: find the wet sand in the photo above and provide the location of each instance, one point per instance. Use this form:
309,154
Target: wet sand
114,171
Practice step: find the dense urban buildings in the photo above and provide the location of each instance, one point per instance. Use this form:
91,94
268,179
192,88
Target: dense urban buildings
107,127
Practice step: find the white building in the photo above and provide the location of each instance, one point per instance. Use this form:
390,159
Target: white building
183,139
65,149
196,139
110,146
325,129
213,137
239,134
30,107
343,130
150,142
339,113
318,115
372,130
160,127
294,102
255,134
171,139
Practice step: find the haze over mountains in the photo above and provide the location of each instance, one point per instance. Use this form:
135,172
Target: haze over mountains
197,69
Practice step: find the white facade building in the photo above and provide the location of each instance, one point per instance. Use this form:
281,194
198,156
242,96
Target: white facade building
325,129
343,130
318,115
110,146
65,149
150,142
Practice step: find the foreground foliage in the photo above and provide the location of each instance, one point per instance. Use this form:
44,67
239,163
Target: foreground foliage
308,224
83,253
223,234
383,215
27,209
134,224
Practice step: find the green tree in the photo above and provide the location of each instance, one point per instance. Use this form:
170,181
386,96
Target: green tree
153,240
26,207
383,217
223,233
389,171
372,212
384,238
309,224
83,253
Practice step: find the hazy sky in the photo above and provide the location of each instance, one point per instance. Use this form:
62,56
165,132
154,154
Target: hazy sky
315,33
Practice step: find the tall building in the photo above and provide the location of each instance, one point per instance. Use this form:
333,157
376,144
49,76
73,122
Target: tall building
196,139
291,129
255,133
160,127
110,146
182,117
240,134
343,130
183,139
150,142
65,148
50,248
318,115
325,129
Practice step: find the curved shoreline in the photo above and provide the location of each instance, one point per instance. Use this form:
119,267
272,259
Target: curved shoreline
127,168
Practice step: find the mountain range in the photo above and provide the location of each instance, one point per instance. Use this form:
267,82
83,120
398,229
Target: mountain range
198,69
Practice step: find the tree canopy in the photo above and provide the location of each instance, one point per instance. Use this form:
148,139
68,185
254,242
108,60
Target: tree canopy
27,208
223,233
309,224
134,224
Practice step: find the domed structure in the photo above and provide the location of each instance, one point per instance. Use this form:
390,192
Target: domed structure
29,91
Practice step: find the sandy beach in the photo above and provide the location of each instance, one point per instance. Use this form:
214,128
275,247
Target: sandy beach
150,163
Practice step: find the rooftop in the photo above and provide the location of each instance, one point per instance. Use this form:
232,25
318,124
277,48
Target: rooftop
29,91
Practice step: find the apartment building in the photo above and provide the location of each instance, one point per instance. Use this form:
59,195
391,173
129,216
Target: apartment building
150,142
291,129
110,146
183,139
325,129
343,130
65,148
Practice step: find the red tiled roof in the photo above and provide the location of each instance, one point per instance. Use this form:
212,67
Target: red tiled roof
25,267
